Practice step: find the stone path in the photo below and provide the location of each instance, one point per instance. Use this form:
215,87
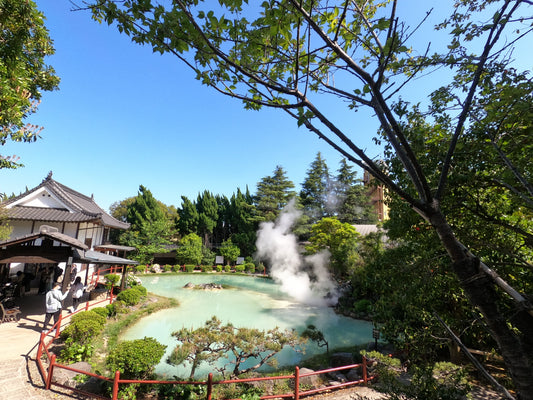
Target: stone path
19,377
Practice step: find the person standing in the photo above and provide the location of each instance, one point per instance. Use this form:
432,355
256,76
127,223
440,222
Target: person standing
54,304
77,293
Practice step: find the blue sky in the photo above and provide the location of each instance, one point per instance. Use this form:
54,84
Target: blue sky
124,116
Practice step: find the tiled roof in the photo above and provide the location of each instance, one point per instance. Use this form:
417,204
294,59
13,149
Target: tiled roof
83,207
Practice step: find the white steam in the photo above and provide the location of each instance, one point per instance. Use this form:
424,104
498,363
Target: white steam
306,279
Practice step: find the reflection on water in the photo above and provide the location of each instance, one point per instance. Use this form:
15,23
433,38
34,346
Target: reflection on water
250,302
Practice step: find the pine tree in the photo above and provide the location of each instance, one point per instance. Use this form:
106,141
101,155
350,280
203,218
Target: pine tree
273,193
316,190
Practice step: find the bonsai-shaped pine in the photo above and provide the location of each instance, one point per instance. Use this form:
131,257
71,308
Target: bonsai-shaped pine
215,341
316,336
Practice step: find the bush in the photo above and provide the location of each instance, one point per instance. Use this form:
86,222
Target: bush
239,268
111,280
141,289
206,268
101,311
139,269
219,268
250,267
117,307
190,267
130,296
75,352
136,359
167,268
363,306
83,327
443,381
227,268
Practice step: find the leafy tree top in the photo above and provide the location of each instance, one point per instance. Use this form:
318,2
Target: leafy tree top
25,44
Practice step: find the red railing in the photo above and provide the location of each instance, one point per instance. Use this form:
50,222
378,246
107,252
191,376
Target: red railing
210,383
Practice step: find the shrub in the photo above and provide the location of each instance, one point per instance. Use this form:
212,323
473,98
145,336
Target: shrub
250,267
176,268
139,269
117,307
111,280
167,268
227,268
239,268
141,289
363,306
75,352
190,267
219,268
129,296
206,268
101,311
136,359
83,327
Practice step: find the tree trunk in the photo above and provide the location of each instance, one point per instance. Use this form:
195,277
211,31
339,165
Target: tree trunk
481,292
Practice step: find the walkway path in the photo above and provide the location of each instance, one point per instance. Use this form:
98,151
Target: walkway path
19,379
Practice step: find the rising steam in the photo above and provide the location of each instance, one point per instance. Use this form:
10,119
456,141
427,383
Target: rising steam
306,279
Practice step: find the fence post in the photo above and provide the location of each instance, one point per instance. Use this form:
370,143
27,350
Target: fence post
40,347
365,376
50,371
57,326
209,385
115,385
87,305
297,383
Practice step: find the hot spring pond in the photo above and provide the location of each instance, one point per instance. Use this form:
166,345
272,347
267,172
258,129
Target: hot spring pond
249,302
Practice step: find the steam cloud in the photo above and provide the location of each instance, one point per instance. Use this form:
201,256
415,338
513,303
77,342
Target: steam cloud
306,279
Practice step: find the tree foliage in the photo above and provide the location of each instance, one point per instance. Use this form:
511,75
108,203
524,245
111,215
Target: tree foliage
24,45
273,194
189,250
229,251
340,239
285,55
215,341
317,195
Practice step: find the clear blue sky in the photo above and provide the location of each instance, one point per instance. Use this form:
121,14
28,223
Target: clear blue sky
124,116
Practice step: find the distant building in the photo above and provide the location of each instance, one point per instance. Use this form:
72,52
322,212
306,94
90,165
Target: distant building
54,207
377,195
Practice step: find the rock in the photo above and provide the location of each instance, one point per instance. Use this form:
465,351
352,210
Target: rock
353,375
156,268
98,294
189,286
311,381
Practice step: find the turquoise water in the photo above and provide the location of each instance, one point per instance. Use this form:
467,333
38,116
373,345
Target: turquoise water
250,302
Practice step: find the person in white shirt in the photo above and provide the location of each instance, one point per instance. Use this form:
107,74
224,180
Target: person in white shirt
77,292
54,304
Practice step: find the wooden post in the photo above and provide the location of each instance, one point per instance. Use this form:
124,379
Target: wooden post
297,383
115,385
209,385
50,372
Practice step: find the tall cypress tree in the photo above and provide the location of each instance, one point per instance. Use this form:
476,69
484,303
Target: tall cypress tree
273,193
354,206
207,216
316,190
188,217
